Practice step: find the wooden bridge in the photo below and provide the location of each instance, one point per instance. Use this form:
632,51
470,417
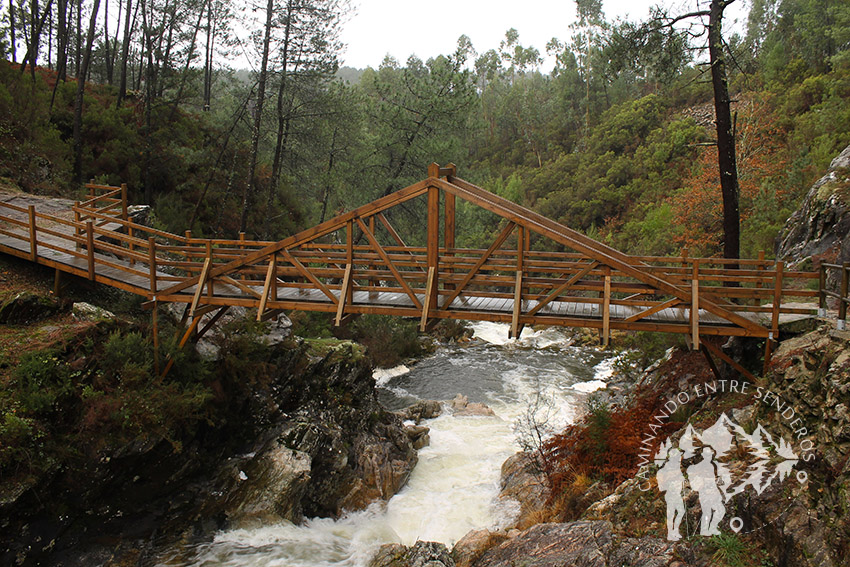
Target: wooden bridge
535,272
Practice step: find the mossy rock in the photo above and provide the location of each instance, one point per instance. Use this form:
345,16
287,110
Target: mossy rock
27,307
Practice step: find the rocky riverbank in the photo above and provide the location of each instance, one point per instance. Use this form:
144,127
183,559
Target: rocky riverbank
793,518
284,429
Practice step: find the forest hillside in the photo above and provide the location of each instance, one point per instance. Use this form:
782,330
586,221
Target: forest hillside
617,140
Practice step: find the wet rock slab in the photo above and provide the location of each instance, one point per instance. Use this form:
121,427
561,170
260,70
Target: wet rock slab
579,544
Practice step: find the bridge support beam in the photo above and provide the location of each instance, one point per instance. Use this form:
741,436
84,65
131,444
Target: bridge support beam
774,320
516,327
433,245
344,295
606,308
695,306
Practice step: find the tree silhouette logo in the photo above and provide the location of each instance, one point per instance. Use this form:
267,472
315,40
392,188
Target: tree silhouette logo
719,463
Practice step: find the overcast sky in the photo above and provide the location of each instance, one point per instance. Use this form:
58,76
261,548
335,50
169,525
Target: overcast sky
404,27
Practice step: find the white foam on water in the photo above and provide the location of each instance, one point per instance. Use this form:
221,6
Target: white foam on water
384,375
590,386
493,333
455,485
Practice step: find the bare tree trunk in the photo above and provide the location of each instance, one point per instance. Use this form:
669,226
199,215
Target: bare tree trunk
150,92
61,49
106,42
164,64
125,53
224,146
62,52
725,135
50,40
35,33
12,30
189,57
327,191
31,54
79,38
208,58
282,117
248,191
78,103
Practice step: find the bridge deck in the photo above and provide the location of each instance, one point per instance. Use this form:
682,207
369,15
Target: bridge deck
59,253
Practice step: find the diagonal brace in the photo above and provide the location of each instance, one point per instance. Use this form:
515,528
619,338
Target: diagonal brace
386,259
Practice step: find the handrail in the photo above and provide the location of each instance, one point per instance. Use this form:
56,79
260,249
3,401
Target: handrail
102,234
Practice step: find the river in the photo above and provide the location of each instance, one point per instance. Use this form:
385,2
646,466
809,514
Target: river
455,485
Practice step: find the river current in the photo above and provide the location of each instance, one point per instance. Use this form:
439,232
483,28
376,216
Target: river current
455,485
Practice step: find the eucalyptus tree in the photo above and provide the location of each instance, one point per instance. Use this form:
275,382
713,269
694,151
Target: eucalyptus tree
586,38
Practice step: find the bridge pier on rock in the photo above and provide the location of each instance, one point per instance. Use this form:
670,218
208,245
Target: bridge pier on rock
535,271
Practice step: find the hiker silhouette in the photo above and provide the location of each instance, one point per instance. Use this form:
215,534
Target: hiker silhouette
671,482
703,479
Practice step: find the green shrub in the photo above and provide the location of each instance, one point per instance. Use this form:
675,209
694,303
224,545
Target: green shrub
729,550
128,358
19,438
388,340
42,380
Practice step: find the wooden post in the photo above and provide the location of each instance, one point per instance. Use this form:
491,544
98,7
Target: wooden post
33,236
124,214
774,320
842,302
90,247
273,289
606,308
210,285
241,240
822,291
188,236
349,260
695,306
449,229
266,287
433,170
155,321
516,328
372,281
344,295
759,267
433,247
428,303
152,264
57,283
77,222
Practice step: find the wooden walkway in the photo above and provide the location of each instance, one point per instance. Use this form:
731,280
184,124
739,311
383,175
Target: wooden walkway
359,263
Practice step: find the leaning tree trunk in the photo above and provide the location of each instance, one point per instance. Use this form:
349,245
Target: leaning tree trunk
78,103
250,187
725,133
125,53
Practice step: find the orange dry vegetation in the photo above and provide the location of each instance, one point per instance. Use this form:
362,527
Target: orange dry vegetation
607,444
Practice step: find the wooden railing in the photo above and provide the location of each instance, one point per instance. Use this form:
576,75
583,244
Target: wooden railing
842,296
359,263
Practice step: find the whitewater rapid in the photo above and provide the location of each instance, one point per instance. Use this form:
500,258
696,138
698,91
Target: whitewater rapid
455,485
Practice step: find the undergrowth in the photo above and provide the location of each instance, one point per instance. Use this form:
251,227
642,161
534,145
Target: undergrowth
92,388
